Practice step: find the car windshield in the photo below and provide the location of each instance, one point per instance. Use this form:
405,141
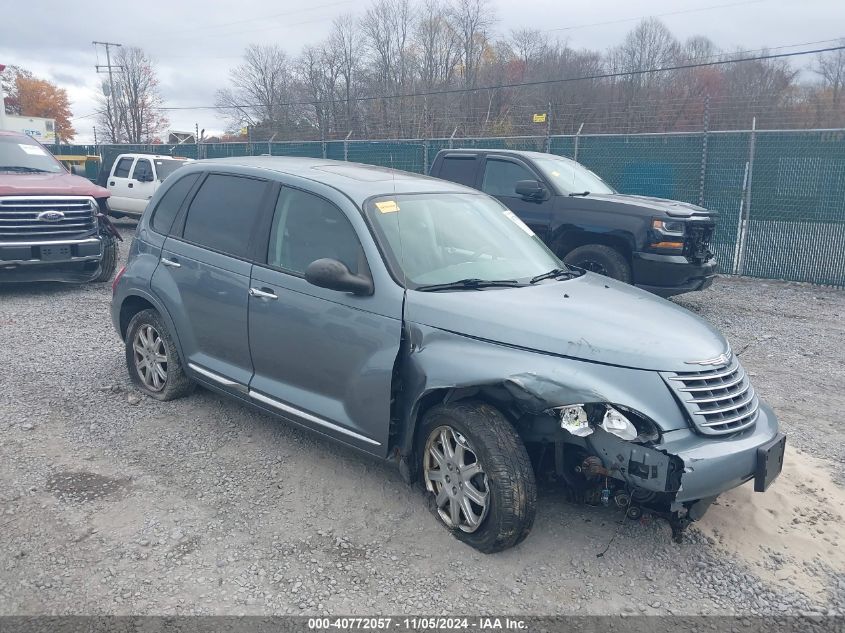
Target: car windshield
166,166
442,238
23,155
571,177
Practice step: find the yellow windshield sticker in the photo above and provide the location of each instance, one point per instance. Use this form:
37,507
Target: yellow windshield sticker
387,206
510,215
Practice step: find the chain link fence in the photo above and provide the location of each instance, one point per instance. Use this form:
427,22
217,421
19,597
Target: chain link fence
780,195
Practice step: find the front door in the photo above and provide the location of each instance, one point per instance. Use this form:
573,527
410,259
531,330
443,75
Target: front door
499,180
203,277
321,358
118,184
141,185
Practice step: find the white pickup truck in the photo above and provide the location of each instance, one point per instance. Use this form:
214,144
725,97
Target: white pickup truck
134,179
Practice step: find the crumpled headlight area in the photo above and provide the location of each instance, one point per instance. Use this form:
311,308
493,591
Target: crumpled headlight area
581,420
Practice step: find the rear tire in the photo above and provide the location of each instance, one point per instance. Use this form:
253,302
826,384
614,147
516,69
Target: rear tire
152,359
109,262
601,259
496,493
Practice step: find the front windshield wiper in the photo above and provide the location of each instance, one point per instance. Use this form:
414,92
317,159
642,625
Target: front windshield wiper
31,170
583,194
557,273
471,284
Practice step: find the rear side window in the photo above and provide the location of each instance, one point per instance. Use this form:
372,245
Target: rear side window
501,176
143,171
122,169
223,213
459,169
170,203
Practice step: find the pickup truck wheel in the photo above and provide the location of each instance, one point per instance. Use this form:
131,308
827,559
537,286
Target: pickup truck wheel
478,475
151,357
601,259
109,261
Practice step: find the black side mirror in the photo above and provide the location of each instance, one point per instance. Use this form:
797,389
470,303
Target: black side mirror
334,275
530,189
146,178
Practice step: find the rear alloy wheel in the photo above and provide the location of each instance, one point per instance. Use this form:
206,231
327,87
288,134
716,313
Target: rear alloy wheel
152,358
477,474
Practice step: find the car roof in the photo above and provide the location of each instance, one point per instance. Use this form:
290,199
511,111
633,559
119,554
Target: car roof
153,156
506,152
355,180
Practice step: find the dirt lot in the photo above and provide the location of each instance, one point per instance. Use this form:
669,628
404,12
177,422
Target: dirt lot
114,503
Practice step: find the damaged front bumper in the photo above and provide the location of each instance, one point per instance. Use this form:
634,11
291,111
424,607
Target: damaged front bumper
687,471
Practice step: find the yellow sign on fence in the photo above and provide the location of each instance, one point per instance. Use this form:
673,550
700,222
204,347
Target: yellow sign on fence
540,118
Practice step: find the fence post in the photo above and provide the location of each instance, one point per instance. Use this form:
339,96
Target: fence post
745,205
704,150
452,138
346,146
425,156
269,144
549,129
577,138
323,147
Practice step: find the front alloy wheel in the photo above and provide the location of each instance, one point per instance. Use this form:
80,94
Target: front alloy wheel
150,357
456,478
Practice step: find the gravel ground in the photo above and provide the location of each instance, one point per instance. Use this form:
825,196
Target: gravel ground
114,503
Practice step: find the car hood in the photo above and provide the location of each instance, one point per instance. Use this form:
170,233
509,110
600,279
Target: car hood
61,184
673,208
591,318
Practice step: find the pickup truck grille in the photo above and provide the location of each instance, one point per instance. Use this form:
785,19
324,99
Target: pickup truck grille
46,218
719,400
698,241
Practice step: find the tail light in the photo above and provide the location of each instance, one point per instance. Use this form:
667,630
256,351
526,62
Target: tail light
117,279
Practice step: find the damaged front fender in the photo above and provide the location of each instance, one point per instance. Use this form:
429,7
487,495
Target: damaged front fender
439,363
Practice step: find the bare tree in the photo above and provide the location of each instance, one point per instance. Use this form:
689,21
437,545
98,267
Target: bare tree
346,46
473,20
9,81
133,114
261,86
830,67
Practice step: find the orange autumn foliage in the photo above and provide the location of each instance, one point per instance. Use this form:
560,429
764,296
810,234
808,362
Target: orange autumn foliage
41,98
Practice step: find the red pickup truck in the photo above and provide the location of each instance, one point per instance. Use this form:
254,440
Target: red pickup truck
53,225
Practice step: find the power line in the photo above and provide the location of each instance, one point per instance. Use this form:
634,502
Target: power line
656,15
525,84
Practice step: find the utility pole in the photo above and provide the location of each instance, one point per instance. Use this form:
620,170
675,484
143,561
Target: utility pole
108,68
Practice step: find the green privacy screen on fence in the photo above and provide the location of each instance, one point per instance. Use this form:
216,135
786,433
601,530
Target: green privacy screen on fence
780,195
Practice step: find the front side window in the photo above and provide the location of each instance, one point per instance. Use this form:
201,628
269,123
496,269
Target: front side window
571,177
170,203
23,155
501,176
307,228
123,167
143,171
223,213
442,238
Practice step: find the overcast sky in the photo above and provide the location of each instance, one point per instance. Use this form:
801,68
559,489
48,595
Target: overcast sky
196,42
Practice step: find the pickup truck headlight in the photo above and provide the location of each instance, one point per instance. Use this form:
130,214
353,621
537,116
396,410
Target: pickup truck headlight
581,419
668,227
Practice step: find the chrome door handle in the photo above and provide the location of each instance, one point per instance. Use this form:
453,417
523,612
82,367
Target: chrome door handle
263,294
170,262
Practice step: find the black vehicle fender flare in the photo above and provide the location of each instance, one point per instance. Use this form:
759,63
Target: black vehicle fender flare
565,238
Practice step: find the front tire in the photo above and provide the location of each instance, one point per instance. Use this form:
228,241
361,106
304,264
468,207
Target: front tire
109,262
601,259
152,359
478,475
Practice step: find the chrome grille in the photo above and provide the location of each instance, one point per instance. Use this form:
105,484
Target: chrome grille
20,221
719,400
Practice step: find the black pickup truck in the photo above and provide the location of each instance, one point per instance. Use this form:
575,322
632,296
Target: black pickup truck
660,245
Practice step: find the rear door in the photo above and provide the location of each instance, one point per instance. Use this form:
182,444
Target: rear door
141,185
203,276
323,358
461,168
118,184
499,178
